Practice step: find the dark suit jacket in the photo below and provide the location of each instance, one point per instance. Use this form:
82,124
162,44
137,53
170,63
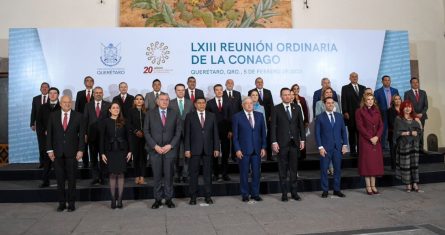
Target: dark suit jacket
124,106
36,103
65,143
81,100
43,117
350,101
92,122
223,117
421,106
188,106
317,97
380,96
201,140
198,93
266,102
245,138
330,137
236,101
156,134
284,131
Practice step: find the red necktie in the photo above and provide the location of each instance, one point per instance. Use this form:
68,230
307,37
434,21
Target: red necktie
164,119
88,96
202,120
192,97
219,105
417,96
97,110
65,121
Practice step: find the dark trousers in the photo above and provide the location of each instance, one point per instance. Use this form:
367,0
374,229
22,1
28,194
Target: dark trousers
41,140
139,157
162,166
288,162
47,165
334,156
252,162
181,162
392,150
66,167
98,167
194,163
353,139
86,157
225,152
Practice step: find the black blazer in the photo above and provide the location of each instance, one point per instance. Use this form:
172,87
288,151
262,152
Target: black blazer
65,143
81,100
135,120
223,117
43,117
284,131
200,140
198,93
236,101
124,106
36,103
421,106
350,101
92,122
266,102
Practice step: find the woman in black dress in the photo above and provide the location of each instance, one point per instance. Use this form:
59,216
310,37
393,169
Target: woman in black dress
393,112
115,151
135,121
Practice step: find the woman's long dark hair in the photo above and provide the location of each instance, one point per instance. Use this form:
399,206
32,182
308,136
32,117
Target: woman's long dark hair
120,120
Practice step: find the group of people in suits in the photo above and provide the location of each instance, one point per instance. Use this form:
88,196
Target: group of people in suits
177,135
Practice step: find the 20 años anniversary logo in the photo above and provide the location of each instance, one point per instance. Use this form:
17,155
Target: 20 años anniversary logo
157,54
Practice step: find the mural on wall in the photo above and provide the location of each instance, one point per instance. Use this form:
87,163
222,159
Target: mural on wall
206,13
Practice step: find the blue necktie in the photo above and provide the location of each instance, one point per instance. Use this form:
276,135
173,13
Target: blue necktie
332,119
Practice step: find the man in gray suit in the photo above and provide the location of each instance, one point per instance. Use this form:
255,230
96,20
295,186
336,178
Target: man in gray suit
150,97
419,100
162,130
182,106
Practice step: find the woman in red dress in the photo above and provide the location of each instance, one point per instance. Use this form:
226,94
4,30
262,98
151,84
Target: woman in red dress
370,128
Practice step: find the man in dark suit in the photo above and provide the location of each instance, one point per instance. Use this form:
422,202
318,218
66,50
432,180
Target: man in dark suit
222,109
383,96
249,141
150,97
124,99
192,92
65,146
94,112
82,98
201,143
162,130
288,138
234,97
419,100
332,142
266,100
325,83
37,102
183,107
351,96
42,126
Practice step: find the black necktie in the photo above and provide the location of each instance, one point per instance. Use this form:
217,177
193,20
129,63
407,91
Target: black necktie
289,116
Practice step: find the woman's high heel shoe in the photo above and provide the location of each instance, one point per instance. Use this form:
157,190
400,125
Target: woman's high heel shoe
119,204
374,190
113,203
368,192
